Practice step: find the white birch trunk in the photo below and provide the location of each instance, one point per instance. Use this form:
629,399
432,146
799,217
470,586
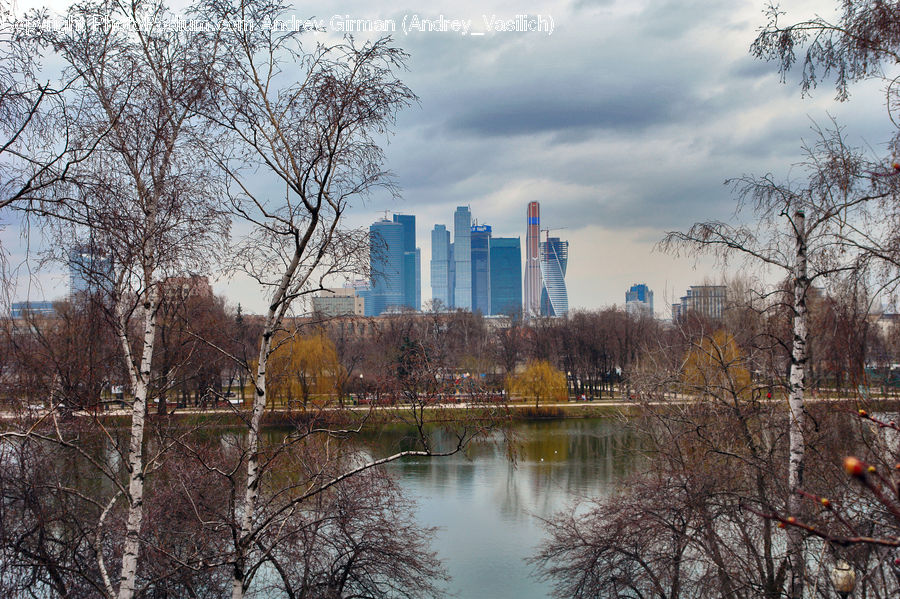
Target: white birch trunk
141,386
251,490
797,407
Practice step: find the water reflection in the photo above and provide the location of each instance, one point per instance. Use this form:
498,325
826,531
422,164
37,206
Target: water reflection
488,509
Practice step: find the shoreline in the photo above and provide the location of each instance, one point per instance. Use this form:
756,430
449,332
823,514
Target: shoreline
216,417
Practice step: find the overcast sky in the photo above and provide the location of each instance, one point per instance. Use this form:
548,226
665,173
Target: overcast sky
623,121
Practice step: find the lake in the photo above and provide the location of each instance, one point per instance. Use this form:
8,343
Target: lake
488,510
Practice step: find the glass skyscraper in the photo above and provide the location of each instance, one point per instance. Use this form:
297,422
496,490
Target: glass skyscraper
88,272
506,276
441,257
639,299
412,280
387,263
462,256
554,258
481,268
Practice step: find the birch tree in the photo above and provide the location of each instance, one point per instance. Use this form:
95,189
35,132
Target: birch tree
141,208
308,116
825,226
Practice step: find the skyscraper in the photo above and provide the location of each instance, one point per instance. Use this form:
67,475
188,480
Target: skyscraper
506,275
88,271
452,262
441,290
554,258
639,299
412,293
418,302
533,260
386,260
462,256
481,268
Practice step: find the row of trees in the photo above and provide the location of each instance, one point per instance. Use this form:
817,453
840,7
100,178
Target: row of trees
73,355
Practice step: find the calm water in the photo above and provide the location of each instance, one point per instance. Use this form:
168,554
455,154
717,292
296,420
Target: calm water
487,509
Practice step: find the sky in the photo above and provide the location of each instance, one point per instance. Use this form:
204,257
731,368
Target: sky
622,118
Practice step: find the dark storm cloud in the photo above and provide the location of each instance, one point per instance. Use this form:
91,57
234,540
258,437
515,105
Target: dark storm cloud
618,110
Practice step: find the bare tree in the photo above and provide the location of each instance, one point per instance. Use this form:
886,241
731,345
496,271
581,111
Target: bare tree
36,150
688,525
310,117
142,207
804,232
861,44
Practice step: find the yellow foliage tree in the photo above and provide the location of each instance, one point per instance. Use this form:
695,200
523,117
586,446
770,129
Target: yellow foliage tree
302,367
715,367
539,380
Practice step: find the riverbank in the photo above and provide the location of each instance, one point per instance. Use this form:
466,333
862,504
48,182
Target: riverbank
354,416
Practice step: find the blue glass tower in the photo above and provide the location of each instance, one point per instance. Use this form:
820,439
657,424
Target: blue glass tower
506,275
412,293
386,260
88,272
441,257
462,256
481,268
639,299
554,258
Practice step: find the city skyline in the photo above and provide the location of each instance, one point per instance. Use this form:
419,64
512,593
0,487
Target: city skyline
618,155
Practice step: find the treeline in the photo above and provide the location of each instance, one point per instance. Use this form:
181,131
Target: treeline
71,358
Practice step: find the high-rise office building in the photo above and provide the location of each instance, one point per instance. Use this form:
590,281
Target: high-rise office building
89,271
462,256
418,299
386,261
441,290
412,292
452,262
639,300
481,268
533,260
506,276
554,258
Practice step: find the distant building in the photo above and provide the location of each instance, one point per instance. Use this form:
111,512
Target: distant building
185,287
532,295
386,260
462,257
676,312
23,309
506,276
89,271
481,268
441,258
639,300
706,300
339,302
412,271
554,259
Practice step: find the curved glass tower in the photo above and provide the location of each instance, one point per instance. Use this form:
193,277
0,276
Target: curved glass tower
554,257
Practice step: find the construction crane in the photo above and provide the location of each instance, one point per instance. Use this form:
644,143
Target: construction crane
547,231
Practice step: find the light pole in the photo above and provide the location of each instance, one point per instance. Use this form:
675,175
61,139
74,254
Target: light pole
843,578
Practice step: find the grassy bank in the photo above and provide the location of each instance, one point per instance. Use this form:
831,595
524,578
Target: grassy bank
353,417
